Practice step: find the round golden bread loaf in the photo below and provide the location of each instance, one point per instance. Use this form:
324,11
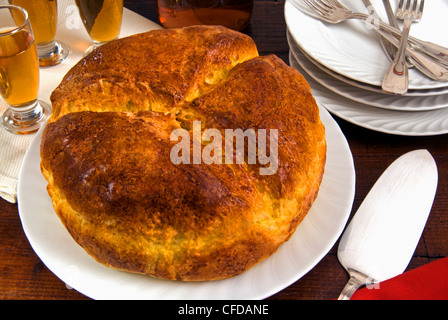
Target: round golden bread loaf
106,153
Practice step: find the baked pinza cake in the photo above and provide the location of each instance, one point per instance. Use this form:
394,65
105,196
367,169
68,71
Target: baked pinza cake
107,153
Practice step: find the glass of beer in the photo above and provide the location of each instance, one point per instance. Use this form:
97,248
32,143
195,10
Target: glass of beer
19,73
102,20
43,15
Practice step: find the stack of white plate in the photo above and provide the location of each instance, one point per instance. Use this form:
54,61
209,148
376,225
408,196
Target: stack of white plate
345,64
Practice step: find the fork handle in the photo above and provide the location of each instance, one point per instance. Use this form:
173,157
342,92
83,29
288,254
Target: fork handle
425,63
432,49
396,79
436,51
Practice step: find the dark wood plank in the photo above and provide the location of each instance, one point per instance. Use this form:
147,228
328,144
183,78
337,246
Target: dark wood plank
24,276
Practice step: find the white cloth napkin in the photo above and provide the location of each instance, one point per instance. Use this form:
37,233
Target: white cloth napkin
12,151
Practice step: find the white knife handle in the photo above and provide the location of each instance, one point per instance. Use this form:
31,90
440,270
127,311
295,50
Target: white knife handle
357,279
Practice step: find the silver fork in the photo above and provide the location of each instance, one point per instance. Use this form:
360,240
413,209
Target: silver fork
332,11
389,49
396,79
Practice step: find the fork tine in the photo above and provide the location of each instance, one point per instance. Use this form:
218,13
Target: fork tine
422,5
323,4
327,3
316,6
336,3
417,10
414,7
407,6
401,8
312,6
410,8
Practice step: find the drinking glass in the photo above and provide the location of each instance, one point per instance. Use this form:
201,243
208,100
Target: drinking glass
43,15
102,20
19,73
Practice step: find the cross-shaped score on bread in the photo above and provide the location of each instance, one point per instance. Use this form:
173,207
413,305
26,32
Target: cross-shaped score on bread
106,153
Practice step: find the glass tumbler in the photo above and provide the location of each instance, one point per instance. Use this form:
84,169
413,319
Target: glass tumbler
19,73
43,15
102,20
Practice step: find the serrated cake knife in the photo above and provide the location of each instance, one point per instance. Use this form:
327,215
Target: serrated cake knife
382,236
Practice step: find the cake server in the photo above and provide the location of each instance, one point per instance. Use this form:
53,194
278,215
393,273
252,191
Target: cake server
382,236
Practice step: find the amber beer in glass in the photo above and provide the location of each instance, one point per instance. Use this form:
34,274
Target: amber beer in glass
19,72
43,15
101,18
233,14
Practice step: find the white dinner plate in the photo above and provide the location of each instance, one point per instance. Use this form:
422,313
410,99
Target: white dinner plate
312,240
367,87
353,50
67,260
406,123
355,93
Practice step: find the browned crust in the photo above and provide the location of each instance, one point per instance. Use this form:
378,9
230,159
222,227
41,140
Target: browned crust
155,70
121,198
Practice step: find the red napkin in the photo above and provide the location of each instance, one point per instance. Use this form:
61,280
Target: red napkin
428,282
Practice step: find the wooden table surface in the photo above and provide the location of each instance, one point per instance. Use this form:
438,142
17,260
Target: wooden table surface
24,276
